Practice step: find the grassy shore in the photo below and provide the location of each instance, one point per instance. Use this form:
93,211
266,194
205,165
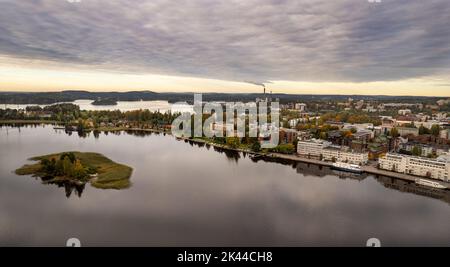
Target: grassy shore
110,175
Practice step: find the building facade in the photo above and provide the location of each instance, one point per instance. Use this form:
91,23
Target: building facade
419,166
312,148
403,131
328,152
288,136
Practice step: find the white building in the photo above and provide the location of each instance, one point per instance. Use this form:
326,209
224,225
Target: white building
433,168
440,116
325,150
293,122
428,124
408,130
313,147
339,155
404,112
369,109
300,106
358,126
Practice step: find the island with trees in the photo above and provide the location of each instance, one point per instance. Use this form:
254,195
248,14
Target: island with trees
79,168
105,102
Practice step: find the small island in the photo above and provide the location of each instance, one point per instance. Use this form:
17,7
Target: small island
79,168
105,102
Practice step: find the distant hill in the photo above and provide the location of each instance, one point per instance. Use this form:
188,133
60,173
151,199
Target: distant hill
69,96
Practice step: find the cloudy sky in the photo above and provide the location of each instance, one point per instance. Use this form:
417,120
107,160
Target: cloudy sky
399,47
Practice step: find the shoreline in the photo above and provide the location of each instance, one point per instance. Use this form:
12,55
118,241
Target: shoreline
366,169
293,157
100,129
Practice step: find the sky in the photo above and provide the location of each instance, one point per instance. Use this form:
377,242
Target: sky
394,47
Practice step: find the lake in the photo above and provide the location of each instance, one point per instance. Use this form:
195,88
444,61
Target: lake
85,104
189,195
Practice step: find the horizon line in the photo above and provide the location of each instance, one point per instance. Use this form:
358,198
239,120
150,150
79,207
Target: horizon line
212,92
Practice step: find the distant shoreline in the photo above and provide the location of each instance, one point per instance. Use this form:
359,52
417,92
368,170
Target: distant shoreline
53,97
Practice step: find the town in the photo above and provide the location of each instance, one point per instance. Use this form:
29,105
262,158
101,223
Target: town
409,138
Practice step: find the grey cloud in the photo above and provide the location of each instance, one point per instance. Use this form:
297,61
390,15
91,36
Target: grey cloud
303,40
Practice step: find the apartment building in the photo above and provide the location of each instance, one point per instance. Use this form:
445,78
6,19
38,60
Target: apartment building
313,147
403,131
339,155
328,152
425,149
288,136
432,168
300,106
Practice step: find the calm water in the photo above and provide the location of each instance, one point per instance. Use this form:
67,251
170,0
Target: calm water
186,195
161,106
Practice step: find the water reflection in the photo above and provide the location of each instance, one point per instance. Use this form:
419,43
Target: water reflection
411,187
231,155
305,169
69,187
187,194
313,170
161,106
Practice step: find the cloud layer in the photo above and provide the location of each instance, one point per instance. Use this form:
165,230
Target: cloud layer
301,40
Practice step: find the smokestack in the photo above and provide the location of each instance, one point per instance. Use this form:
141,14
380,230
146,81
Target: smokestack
260,84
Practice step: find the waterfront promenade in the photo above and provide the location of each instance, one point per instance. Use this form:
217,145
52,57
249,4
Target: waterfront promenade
370,169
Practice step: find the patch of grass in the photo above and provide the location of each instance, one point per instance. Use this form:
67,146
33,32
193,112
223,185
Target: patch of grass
111,175
29,169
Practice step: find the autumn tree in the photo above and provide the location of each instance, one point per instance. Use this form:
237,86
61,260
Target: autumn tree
394,132
435,130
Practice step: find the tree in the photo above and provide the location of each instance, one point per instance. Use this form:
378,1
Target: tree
67,167
69,155
78,170
233,142
347,134
256,146
284,149
59,169
416,151
423,130
435,129
394,132
48,166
